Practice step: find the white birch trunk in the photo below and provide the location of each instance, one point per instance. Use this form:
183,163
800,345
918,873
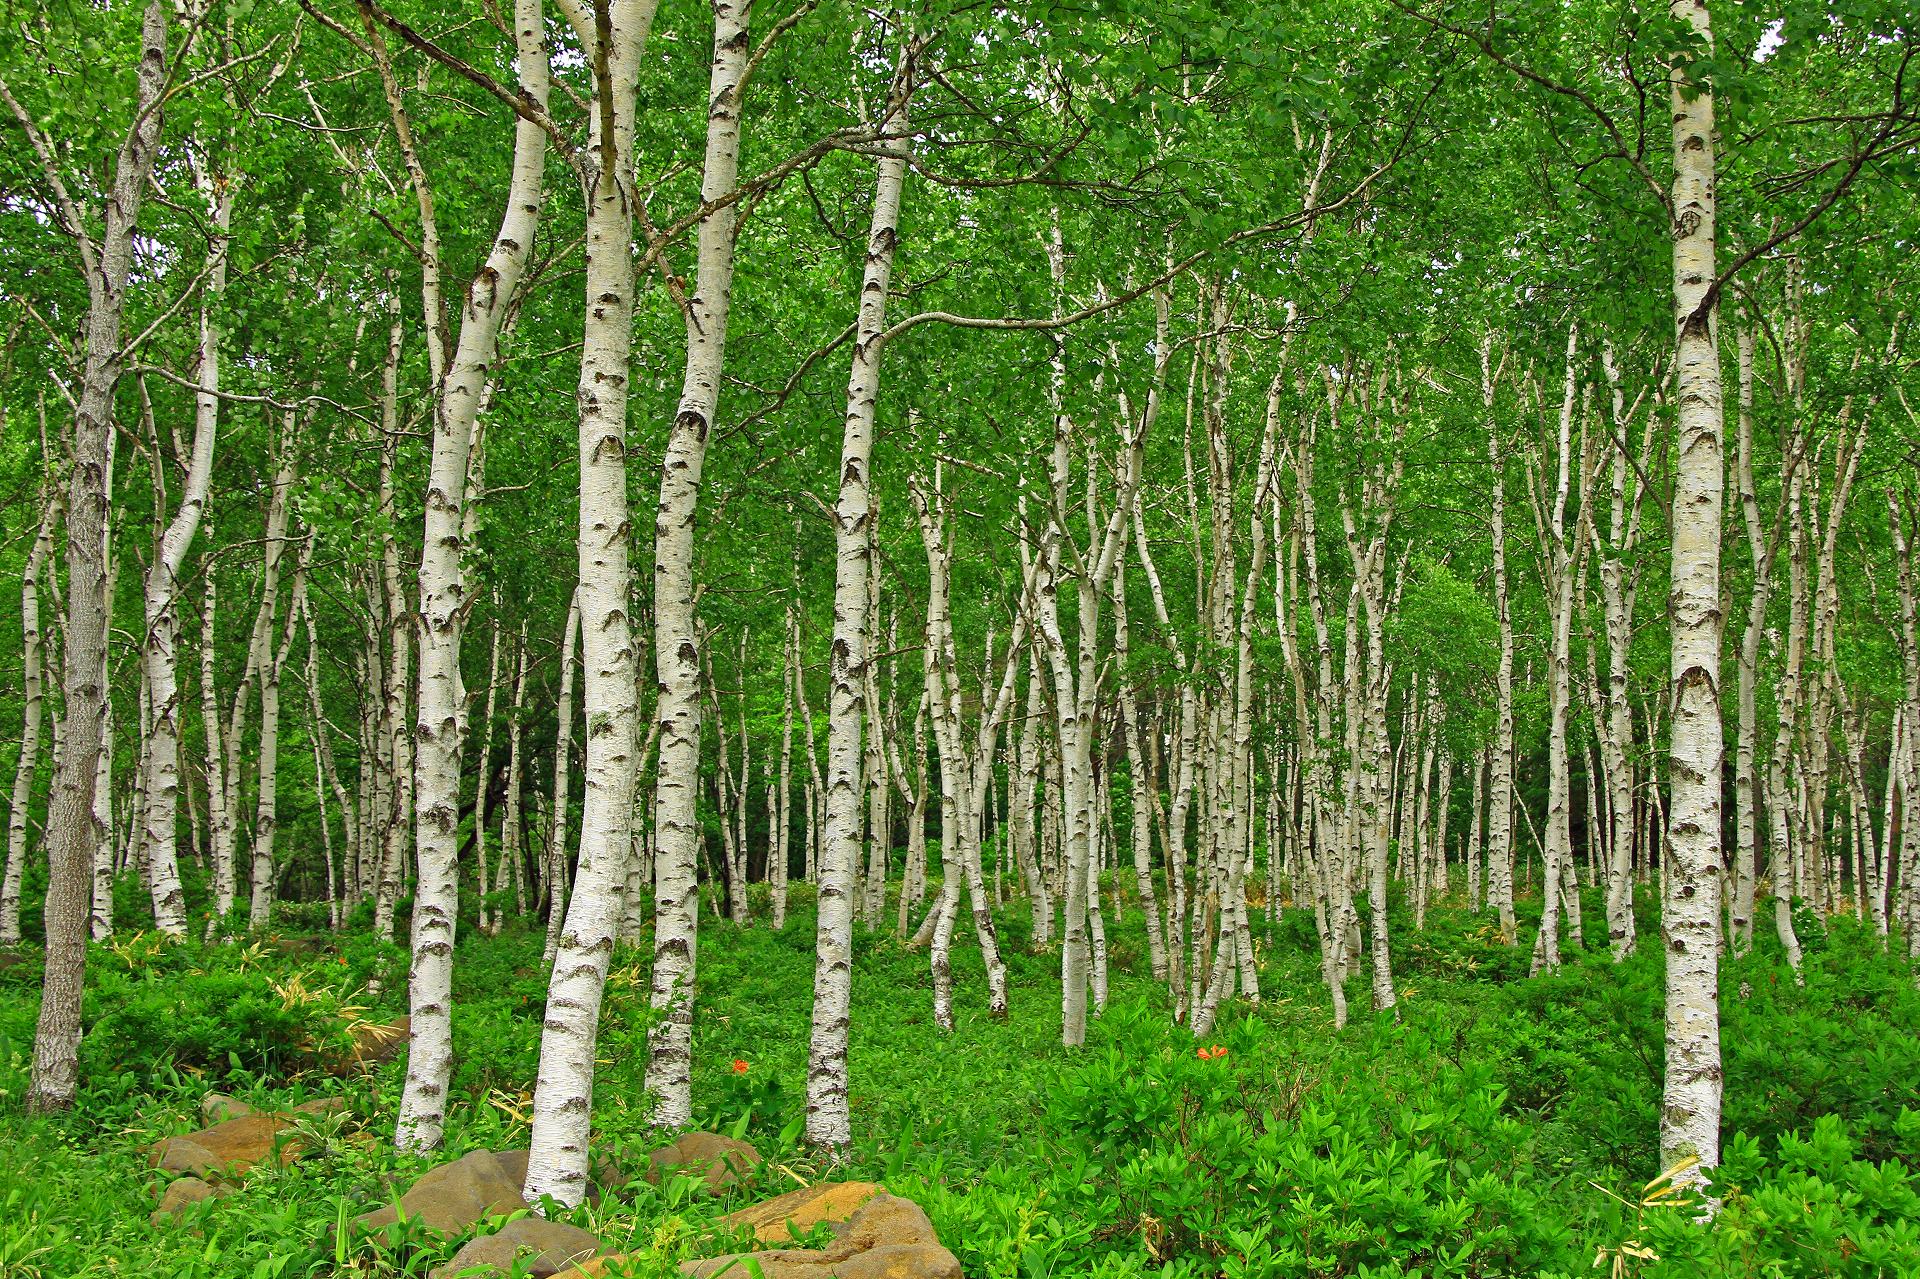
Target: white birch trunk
56,1065
159,653
1690,884
676,631
1500,802
33,707
440,711
553,857
828,1123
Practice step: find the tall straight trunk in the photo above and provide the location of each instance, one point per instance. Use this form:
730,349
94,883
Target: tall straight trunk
397,835
325,770
1334,908
267,811
484,774
100,913
1690,884
1561,550
513,842
1783,836
1022,829
873,903
159,652
1762,550
1367,524
563,1094
1613,721
1076,675
913,884
219,811
1237,739
780,847
553,858
440,713
1476,832
1904,528
676,630
829,1123
965,767
1141,824
56,1053
33,709
1500,803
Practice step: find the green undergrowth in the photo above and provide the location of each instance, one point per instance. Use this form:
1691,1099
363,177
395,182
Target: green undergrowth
1493,1124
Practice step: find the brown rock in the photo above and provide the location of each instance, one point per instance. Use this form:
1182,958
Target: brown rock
721,1161
217,1107
230,1148
372,1044
887,1238
322,1106
180,1194
782,1220
551,1246
452,1198
605,1173
184,1155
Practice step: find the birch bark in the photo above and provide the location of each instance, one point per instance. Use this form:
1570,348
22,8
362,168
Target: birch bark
1500,785
1690,884
440,711
56,1064
159,653
33,706
676,632
828,1122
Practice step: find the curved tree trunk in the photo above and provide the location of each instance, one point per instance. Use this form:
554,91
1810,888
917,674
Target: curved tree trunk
440,713
56,1061
159,653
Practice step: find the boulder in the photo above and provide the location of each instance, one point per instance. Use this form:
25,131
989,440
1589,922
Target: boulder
451,1199
183,1192
321,1106
792,1215
230,1148
373,1044
886,1238
548,1246
720,1161
606,1175
217,1107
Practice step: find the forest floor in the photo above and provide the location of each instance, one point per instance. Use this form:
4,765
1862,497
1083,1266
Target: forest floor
1494,1124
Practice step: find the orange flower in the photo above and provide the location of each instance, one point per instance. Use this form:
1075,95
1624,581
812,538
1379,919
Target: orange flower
1218,1051
1202,1053
739,1067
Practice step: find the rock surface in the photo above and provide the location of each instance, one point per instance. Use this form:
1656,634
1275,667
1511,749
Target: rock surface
217,1108
886,1238
720,1161
180,1194
549,1247
228,1149
451,1199
373,1044
792,1215
605,1173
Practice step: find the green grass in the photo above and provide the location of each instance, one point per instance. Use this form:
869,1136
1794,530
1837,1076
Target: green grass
1498,1125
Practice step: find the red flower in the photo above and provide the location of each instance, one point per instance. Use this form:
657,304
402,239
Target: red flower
739,1067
